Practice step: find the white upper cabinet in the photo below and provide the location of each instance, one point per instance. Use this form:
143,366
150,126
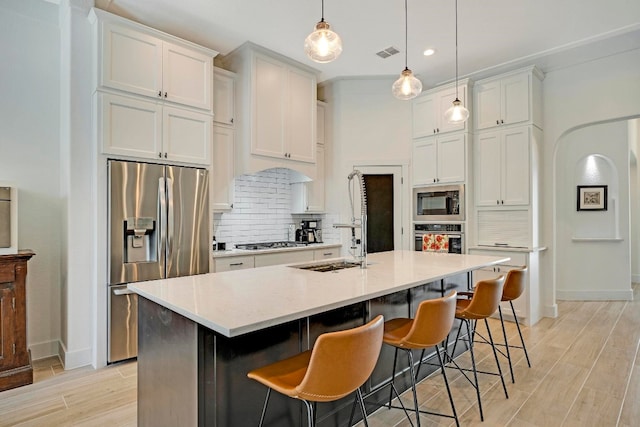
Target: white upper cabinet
320,122
513,98
503,167
143,61
223,168
224,96
439,159
277,105
136,127
429,109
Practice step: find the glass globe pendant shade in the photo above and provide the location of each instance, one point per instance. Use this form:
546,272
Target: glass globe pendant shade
323,45
456,113
407,86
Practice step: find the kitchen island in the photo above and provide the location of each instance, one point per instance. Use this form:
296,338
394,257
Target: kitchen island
200,335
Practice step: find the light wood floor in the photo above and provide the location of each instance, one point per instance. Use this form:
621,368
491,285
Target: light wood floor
585,372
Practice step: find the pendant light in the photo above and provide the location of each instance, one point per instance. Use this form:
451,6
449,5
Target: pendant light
323,45
407,86
456,113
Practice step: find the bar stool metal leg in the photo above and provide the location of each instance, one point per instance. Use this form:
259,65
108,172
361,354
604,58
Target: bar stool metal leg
264,408
506,343
495,355
473,364
524,347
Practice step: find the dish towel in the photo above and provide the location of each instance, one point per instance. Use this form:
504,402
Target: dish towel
435,243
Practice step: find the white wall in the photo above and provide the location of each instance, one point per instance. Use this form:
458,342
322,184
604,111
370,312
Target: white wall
603,90
30,154
595,245
634,190
368,126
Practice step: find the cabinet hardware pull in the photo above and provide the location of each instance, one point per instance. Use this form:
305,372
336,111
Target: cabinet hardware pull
160,155
231,205
235,264
438,129
165,155
327,253
165,94
497,122
501,121
501,244
497,202
159,93
502,202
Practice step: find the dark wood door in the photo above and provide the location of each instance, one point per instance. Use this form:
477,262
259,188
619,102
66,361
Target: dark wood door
379,190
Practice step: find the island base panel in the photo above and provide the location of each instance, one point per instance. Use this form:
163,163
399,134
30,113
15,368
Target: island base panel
167,367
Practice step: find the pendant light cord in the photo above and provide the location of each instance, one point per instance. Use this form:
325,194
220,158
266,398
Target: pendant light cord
322,12
456,49
406,37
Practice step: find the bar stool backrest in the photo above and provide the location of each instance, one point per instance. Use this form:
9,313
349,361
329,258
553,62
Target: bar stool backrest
341,362
486,298
514,283
432,322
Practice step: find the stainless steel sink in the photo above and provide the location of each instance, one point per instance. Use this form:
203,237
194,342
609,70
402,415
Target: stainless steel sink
328,266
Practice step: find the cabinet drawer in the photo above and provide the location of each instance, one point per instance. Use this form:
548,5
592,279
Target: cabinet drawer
517,258
327,253
7,274
288,257
233,263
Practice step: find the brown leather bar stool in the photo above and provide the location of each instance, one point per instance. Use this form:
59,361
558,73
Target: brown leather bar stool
339,363
484,301
431,325
514,285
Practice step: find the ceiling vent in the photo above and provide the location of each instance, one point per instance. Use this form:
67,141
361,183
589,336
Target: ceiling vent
390,51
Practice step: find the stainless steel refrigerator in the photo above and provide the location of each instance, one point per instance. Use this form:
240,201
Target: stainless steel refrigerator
158,227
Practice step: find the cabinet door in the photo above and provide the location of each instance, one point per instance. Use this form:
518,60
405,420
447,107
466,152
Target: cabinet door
445,101
223,98
288,257
488,167
486,100
320,119
186,77
451,158
223,167
424,115
186,136
268,109
516,168
515,99
129,126
130,61
8,325
327,253
233,263
315,188
425,167
300,126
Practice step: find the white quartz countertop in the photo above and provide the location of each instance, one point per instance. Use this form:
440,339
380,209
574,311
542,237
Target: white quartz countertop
233,303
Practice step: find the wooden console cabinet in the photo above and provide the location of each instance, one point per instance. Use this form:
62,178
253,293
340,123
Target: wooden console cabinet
15,359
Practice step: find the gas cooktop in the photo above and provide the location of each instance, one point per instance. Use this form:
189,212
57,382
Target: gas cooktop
269,245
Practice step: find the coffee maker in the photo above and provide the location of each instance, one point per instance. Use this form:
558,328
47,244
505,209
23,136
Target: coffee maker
309,232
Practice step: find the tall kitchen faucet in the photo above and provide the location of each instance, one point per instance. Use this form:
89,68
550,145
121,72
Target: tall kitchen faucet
362,225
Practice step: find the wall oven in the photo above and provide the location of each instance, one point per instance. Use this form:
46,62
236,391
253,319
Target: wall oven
455,233
438,203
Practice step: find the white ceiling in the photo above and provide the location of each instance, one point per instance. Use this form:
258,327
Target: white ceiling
493,34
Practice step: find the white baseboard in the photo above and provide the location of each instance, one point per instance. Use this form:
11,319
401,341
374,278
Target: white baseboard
75,359
608,295
550,311
44,349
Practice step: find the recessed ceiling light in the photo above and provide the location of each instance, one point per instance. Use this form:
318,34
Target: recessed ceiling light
429,51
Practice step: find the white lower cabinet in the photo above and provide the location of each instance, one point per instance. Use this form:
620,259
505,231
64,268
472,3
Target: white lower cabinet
527,306
302,255
129,126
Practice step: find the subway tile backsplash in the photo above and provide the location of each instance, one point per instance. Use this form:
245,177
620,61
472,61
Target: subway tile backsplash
262,211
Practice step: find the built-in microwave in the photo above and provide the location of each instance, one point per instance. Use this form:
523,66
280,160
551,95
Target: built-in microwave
438,203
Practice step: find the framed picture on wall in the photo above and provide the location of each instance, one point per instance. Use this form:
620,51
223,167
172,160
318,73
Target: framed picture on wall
592,197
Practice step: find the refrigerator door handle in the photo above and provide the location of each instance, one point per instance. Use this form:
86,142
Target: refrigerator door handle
162,209
170,221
